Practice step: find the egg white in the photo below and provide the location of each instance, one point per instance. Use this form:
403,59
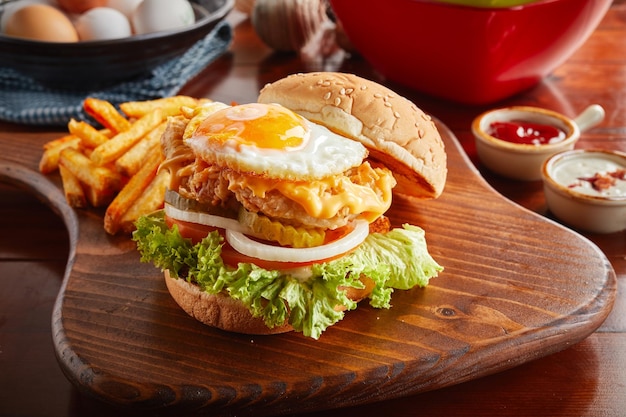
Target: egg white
323,153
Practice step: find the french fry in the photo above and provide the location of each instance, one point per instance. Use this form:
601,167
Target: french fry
99,198
187,112
49,161
100,179
131,191
107,132
74,193
106,114
116,166
58,142
122,142
150,200
130,162
90,136
170,106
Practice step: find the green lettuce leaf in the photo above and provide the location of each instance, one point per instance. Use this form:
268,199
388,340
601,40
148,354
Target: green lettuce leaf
396,259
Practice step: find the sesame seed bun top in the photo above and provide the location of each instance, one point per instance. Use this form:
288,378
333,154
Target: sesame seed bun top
396,132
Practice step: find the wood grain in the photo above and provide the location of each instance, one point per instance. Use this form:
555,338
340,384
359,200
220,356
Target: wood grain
516,287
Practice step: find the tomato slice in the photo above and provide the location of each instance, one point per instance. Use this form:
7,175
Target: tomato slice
194,231
197,232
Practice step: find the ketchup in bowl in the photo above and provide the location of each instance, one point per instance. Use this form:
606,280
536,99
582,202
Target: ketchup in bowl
528,133
515,141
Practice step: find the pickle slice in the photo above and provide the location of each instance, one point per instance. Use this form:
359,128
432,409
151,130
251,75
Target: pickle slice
183,203
286,235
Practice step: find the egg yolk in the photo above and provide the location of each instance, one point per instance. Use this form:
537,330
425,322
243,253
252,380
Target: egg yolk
266,126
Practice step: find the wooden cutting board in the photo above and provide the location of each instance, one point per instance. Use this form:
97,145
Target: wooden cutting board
516,287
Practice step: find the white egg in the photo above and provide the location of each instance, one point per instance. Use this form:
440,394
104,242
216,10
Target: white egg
161,15
102,23
12,7
274,142
125,6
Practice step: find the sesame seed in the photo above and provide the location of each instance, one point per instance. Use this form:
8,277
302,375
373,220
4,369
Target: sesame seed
342,91
396,114
420,133
387,104
378,95
349,90
327,95
337,101
363,87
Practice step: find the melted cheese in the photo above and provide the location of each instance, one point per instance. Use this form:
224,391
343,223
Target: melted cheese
324,198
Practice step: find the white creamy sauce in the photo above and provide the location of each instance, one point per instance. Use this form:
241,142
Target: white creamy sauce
575,173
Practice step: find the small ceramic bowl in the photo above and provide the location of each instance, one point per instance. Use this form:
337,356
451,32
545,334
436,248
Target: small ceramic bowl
586,189
523,161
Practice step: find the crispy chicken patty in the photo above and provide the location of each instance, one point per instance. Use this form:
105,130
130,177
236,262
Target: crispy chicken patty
213,186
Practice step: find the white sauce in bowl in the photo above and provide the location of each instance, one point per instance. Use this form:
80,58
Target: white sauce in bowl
592,174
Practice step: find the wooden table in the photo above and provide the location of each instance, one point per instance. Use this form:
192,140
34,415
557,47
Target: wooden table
587,379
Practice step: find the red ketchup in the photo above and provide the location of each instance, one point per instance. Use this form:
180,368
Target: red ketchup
518,131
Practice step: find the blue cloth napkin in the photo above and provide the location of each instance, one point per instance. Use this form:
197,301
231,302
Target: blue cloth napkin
25,101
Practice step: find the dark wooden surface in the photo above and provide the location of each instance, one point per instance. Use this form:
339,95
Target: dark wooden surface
587,378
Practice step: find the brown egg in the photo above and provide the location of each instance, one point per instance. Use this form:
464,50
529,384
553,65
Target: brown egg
79,6
41,22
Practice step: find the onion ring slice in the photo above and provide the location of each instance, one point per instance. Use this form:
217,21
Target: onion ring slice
205,219
237,236
243,244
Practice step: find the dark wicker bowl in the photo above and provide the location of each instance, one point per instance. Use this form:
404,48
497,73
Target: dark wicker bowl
99,63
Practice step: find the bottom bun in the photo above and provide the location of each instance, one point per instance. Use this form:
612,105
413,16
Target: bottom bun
218,310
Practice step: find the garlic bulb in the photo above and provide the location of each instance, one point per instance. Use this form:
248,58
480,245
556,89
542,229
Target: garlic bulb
287,25
244,6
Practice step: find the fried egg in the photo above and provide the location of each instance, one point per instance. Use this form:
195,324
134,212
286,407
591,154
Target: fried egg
274,142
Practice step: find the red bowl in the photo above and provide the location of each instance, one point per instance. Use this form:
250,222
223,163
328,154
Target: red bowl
467,54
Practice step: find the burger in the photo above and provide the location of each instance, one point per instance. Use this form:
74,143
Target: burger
274,219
